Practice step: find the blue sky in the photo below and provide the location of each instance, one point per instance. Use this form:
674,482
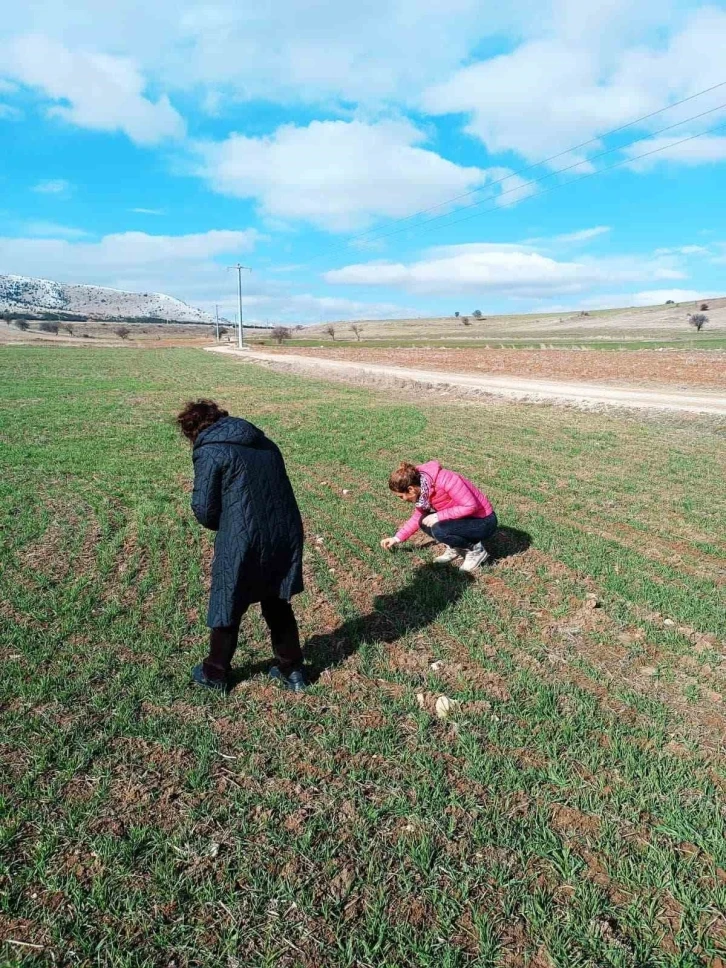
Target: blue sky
147,147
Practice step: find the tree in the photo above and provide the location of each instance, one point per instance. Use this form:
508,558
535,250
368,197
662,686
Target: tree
299,328
123,332
67,328
49,328
330,330
698,321
356,329
704,307
22,324
477,314
280,334
457,314
670,302
466,321
223,331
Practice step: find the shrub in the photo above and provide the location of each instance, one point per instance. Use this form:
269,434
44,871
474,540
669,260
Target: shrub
223,331
466,321
330,330
280,334
49,328
123,332
477,314
670,302
22,324
698,321
299,328
704,307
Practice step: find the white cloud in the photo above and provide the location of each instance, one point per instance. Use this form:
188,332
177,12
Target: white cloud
684,250
594,69
337,175
513,187
53,186
9,112
517,270
290,51
584,235
148,211
52,230
702,150
185,266
307,307
92,90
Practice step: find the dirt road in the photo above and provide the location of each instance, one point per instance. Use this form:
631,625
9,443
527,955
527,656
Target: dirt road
515,387
652,369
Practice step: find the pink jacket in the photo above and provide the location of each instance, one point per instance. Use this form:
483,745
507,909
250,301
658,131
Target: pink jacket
451,496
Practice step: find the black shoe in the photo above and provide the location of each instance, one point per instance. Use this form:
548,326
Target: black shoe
295,682
200,677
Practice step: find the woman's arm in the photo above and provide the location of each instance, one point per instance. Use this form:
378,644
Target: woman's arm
207,494
411,526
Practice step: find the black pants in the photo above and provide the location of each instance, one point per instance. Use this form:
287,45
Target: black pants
463,532
284,633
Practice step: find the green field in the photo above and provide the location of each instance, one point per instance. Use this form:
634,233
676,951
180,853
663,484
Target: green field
571,812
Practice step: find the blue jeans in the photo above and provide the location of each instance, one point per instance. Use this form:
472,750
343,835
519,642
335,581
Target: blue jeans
463,532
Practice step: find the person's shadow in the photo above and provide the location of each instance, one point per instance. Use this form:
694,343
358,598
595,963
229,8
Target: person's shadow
412,608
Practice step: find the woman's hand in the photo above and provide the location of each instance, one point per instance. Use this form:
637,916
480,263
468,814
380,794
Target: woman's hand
430,520
388,544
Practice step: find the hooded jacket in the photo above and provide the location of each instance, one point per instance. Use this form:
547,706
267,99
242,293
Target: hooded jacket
242,491
451,496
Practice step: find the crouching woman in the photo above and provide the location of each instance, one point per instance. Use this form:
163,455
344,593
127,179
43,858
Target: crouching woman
447,507
242,491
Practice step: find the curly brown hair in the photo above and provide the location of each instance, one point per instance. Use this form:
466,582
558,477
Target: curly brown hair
197,415
406,475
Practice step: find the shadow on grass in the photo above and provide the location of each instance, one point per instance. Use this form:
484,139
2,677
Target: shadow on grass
432,590
506,542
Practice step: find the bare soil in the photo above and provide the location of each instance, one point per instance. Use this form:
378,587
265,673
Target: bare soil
644,368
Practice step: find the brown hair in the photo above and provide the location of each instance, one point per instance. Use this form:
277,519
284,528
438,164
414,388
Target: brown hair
405,476
196,416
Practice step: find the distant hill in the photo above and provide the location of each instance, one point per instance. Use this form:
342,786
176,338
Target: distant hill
22,296
658,322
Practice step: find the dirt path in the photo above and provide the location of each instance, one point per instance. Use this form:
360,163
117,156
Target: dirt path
519,388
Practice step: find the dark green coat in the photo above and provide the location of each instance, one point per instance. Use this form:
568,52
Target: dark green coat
242,491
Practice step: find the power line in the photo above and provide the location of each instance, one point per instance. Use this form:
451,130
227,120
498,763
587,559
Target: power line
537,164
601,171
560,171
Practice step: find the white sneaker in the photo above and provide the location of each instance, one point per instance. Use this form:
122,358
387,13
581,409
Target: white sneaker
451,554
477,556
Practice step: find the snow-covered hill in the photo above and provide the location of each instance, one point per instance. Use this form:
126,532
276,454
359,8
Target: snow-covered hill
41,297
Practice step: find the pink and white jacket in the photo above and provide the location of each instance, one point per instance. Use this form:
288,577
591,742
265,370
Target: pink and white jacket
451,497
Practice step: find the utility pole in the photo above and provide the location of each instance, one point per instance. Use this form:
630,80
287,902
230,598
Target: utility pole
239,268
216,316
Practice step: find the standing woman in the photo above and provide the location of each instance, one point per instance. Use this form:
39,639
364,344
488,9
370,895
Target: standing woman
242,491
